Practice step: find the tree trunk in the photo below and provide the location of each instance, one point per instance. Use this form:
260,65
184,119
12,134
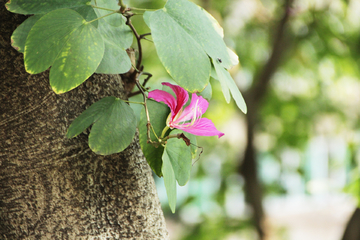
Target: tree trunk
55,188
249,166
352,230
249,170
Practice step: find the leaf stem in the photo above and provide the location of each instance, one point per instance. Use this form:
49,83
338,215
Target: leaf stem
142,103
116,11
172,136
153,130
164,131
138,73
106,9
122,6
142,36
136,93
135,67
179,135
148,39
141,9
148,124
149,75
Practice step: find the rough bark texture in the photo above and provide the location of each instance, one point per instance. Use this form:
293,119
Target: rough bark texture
55,188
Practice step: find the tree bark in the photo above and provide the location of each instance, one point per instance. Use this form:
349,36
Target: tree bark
352,230
52,187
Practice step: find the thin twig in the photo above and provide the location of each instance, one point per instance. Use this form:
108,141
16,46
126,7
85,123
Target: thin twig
139,71
149,75
148,39
106,9
142,36
136,93
102,17
202,150
137,36
148,124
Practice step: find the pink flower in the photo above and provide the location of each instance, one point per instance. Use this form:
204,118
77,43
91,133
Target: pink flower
188,119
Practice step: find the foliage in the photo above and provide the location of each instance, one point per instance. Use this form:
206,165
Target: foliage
113,125
79,38
313,96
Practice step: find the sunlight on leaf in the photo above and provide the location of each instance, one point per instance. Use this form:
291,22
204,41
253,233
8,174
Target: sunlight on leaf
73,48
41,6
227,83
18,38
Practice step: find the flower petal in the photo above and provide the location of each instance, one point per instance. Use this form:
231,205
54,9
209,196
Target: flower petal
198,104
182,96
204,127
167,98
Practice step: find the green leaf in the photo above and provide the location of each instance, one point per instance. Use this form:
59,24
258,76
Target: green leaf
114,130
115,19
89,116
20,34
121,35
114,125
193,145
234,59
117,40
183,29
179,155
207,92
227,83
224,87
115,60
182,56
201,26
88,14
146,17
73,47
41,6
176,164
158,113
169,181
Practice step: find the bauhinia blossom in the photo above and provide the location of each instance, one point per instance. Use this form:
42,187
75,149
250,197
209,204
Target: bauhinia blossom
188,119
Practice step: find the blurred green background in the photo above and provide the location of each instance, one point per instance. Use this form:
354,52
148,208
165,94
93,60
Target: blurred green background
289,169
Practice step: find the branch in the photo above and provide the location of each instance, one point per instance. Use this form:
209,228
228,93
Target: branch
137,74
248,168
122,6
138,39
259,88
148,124
142,36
